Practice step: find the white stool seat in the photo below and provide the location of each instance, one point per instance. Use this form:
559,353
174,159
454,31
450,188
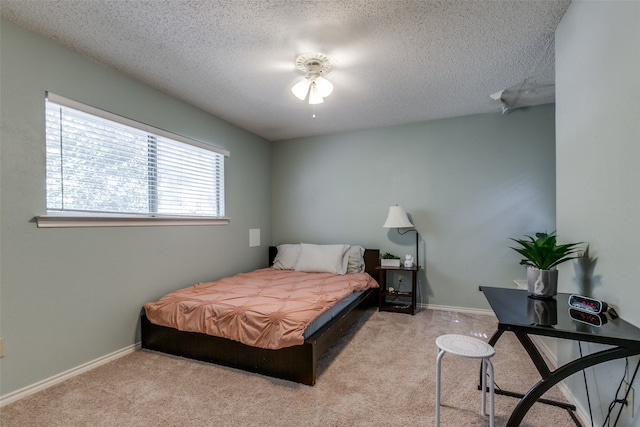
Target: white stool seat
464,346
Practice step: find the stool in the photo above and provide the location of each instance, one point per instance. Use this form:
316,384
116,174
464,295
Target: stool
462,345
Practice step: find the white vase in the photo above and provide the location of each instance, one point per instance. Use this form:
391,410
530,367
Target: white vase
390,263
542,283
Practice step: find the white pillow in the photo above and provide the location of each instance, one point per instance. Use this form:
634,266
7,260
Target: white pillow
286,257
322,258
355,259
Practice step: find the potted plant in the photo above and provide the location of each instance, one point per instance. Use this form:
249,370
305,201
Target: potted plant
389,260
541,256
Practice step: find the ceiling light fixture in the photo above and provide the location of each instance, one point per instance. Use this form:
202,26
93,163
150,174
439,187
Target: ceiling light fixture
313,86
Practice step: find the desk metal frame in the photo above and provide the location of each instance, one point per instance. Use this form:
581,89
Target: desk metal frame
510,307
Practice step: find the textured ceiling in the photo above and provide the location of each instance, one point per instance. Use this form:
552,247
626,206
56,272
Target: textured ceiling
396,61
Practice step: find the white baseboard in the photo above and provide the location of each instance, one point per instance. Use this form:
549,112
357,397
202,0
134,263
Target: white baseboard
458,309
581,411
551,355
39,386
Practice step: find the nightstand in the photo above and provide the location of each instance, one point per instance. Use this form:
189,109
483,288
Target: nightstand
399,302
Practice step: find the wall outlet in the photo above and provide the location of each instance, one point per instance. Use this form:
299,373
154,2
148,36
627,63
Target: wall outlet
630,403
1,346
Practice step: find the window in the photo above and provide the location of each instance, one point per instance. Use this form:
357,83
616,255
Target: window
100,164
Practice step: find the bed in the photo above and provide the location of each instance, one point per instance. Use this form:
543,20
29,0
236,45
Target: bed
294,363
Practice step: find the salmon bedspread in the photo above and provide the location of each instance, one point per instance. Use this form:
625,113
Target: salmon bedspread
265,308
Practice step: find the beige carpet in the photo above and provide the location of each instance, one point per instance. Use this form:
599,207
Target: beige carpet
381,374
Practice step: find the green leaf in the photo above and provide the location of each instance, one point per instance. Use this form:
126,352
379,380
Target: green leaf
543,252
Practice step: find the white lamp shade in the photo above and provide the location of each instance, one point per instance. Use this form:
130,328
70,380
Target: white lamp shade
397,218
325,87
301,89
314,95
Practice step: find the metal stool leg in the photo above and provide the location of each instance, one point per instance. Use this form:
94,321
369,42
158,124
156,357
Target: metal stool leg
438,363
491,391
473,348
483,408
487,363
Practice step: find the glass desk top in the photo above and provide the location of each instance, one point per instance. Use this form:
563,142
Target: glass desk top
516,310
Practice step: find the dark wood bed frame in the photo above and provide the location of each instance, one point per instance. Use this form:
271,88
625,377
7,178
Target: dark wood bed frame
297,363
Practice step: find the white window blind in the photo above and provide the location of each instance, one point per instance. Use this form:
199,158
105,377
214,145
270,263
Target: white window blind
101,163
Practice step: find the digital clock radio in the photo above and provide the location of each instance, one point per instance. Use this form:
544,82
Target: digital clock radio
587,304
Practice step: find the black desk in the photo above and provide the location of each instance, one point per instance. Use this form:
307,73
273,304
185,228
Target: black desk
515,311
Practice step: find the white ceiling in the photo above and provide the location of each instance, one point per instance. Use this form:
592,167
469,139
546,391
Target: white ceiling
396,61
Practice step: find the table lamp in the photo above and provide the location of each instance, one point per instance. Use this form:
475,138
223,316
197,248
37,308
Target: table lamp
398,219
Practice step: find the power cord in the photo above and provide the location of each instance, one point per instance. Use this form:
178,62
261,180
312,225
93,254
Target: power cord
617,400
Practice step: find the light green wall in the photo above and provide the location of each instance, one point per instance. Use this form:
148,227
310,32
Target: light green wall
469,184
69,296
598,172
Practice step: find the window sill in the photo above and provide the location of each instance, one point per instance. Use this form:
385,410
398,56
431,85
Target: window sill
68,221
